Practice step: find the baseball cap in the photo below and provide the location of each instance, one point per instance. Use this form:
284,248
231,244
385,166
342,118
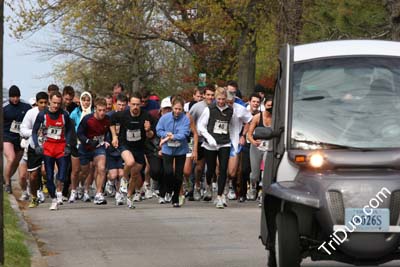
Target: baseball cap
166,103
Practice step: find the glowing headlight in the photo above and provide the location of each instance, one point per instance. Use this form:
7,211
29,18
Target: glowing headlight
316,160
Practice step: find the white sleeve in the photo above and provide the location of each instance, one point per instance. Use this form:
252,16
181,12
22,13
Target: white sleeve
202,124
27,124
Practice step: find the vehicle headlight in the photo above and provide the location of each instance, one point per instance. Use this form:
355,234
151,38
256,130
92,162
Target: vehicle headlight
316,160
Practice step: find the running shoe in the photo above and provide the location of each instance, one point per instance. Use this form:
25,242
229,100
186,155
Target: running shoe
161,200
24,196
137,197
214,187
168,197
99,199
196,194
34,203
72,197
148,193
8,189
176,205
54,204
123,186
207,195
220,204
41,196
79,192
252,194
119,199
231,194
181,200
224,201
44,188
156,193
110,189
86,197
59,198
129,202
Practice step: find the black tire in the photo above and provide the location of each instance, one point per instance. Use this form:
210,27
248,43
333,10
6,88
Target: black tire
287,240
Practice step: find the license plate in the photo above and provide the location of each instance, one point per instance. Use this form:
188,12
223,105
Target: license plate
377,221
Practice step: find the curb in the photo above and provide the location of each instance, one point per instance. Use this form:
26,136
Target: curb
37,260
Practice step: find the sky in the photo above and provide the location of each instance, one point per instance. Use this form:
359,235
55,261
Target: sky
23,68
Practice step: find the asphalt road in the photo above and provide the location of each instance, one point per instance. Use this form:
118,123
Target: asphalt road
195,235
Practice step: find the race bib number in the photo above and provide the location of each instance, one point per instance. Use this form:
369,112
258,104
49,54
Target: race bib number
99,138
221,127
54,132
15,125
263,146
133,135
174,143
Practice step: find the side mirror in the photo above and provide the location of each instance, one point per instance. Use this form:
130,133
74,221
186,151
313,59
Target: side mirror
266,133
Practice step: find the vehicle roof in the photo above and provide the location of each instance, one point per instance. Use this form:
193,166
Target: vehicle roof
346,48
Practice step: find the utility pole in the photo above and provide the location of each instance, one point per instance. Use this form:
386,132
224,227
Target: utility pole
1,135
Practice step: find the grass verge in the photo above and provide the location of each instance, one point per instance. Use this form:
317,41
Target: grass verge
16,253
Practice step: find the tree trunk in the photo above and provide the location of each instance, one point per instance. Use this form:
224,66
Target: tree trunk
290,24
247,64
393,7
247,52
135,72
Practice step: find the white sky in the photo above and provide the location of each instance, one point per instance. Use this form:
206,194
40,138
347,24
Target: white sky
21,67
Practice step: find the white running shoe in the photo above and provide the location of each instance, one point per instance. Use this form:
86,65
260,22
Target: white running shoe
231,194
220,204
181,200
41,196
54,204
214,187
86,197
99,199
123,186
72,197
252,194
168,197
24,196
224,201
148,193
110,188
137,197
59,198
119,199
161,200
207,195
196,194
129,202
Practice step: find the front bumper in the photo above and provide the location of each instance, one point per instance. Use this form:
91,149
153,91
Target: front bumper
331,192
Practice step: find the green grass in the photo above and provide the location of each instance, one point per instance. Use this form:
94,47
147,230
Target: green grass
16,253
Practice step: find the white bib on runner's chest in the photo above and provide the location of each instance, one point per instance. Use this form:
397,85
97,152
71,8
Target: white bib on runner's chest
15,125
221,127
54,132
174,143
133,135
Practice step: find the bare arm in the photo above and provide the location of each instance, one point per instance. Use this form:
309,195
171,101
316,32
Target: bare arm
252,127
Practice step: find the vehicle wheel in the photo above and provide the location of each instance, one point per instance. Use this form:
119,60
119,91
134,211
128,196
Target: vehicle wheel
287,241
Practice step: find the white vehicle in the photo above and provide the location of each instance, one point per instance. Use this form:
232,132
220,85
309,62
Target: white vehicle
334,155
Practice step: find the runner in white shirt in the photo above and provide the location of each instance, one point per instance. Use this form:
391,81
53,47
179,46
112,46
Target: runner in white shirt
35,161
238,129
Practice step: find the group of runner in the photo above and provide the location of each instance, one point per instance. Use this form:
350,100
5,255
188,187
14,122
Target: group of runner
135,147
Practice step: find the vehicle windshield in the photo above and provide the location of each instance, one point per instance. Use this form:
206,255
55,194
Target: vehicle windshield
346,103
